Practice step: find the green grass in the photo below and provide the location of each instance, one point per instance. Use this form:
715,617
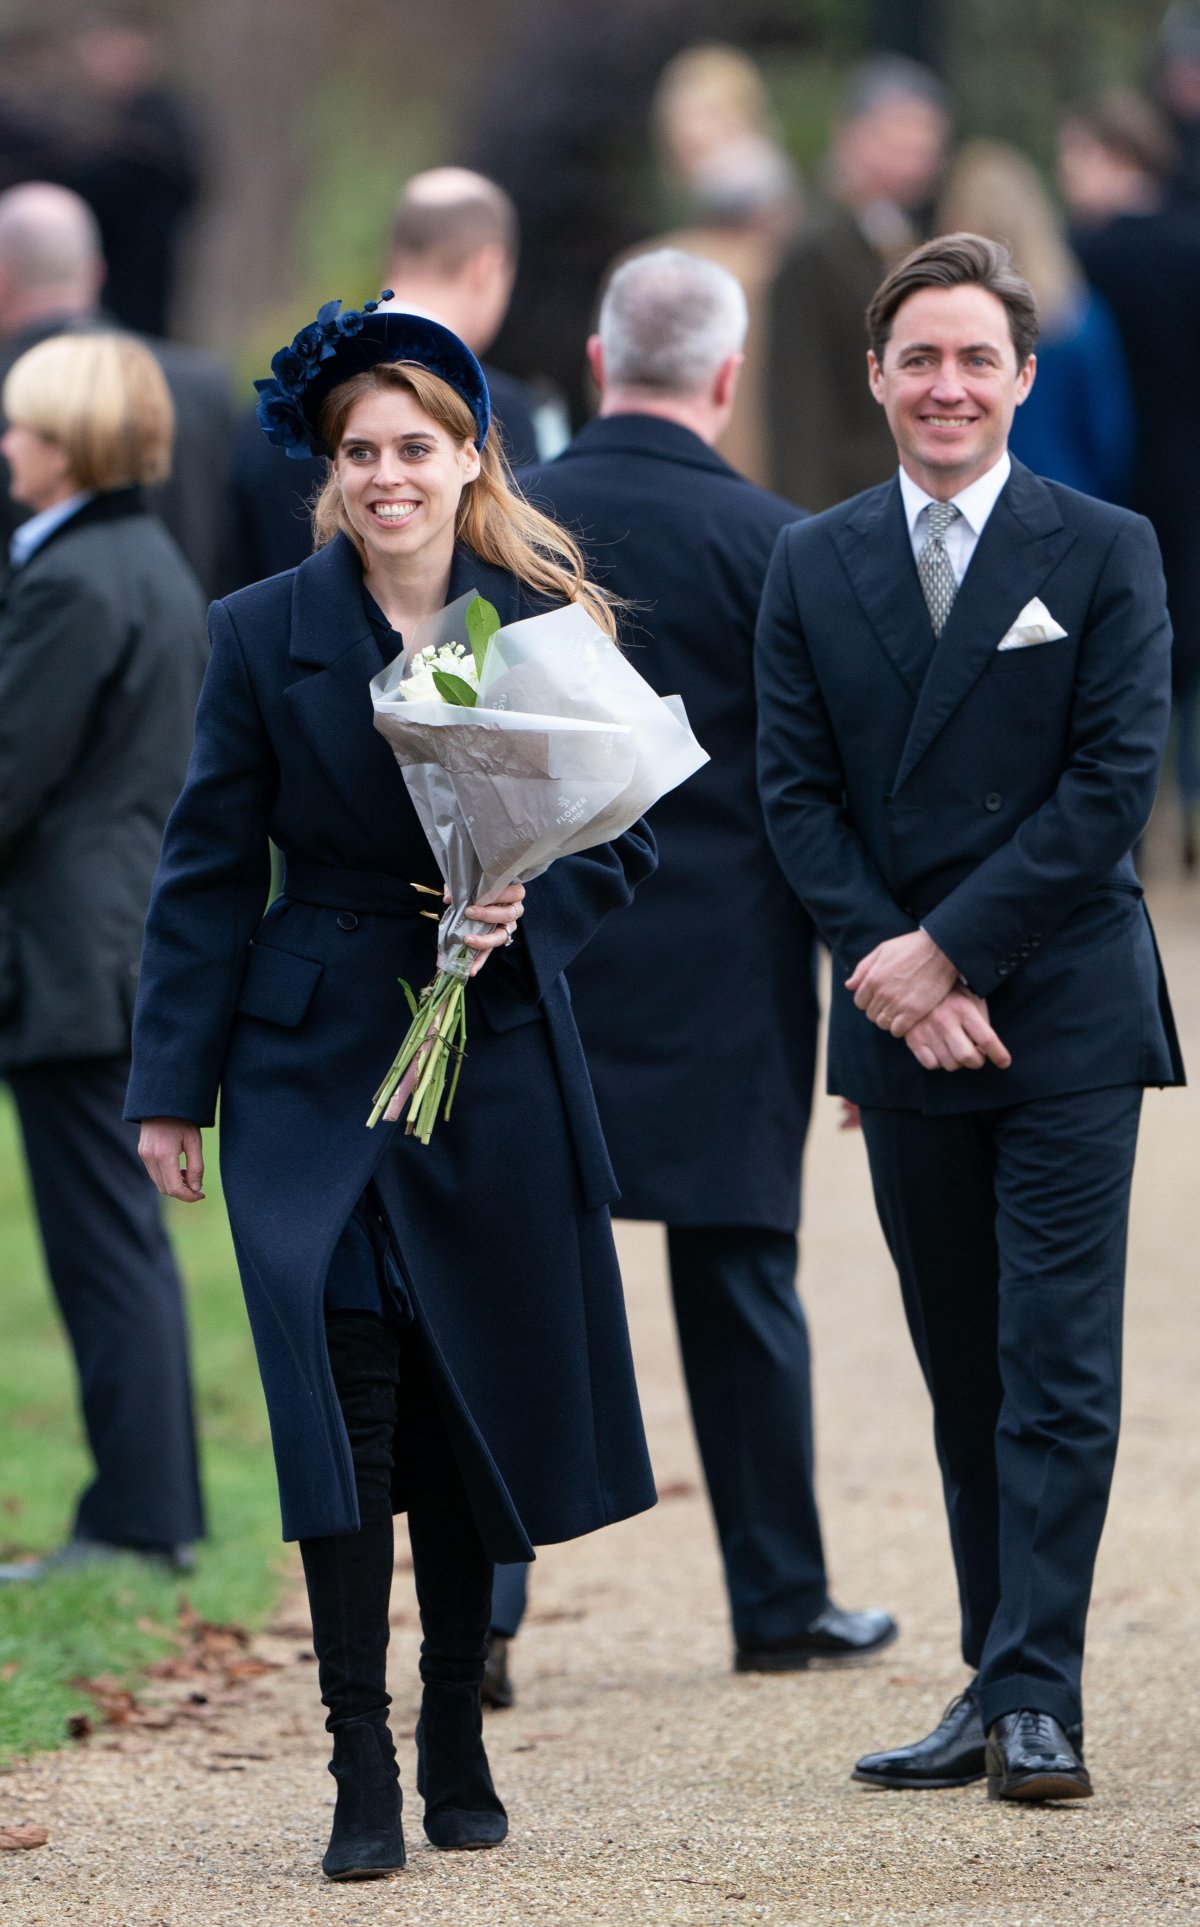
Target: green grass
116,1618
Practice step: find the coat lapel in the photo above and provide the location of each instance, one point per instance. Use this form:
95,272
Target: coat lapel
876,552
335,654
1024,539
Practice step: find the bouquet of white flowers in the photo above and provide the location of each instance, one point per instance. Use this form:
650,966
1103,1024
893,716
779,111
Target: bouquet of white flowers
535,741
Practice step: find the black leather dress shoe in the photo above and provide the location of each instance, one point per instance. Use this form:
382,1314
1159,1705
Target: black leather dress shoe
833,1636
1031,1757
954,1754
97,1552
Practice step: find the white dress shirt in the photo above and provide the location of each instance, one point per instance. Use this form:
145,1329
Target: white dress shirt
28,536
974,505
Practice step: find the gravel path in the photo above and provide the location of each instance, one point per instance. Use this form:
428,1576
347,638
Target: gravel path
646,1783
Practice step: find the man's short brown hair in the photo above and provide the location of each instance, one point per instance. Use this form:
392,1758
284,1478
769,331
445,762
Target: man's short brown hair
957,261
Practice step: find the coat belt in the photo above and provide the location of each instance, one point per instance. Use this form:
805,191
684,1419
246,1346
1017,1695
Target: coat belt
369,892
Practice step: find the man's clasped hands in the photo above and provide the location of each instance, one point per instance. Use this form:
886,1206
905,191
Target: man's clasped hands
910,987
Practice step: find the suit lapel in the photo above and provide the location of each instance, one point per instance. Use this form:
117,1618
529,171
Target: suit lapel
876,552
335,652
1023,540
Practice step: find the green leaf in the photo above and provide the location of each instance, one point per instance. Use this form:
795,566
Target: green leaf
482,624
409,996
452,689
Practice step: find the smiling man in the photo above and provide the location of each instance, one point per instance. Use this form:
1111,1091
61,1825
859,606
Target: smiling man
963,685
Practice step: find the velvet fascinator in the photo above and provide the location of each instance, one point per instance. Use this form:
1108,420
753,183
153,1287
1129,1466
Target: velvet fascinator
340,344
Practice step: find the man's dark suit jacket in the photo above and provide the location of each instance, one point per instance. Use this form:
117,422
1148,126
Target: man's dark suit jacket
273,492
697,1006
829,437
194,501
993,797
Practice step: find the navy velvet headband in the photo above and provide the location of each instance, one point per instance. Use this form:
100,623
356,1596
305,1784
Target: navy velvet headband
337,345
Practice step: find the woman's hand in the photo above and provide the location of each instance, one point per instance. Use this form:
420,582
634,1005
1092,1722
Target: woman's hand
163,1143
502,915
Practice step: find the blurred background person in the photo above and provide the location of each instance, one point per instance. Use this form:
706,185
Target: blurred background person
1140,249
102,649
452,255
52,277
87,104
726,164
1077,423
137,163
1177,89
829,440
704,1076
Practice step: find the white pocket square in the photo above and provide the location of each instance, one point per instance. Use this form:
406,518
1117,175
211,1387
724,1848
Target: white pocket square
1034,624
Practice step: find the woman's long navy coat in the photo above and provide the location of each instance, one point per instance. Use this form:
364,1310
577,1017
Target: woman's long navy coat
501,1224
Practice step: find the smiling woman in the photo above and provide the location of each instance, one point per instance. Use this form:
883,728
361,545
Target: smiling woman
408,479
383,1285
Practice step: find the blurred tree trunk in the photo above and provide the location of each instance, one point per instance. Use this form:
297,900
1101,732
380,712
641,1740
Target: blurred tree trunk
254,68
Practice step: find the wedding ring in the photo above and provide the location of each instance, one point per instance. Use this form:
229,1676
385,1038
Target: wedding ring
512,931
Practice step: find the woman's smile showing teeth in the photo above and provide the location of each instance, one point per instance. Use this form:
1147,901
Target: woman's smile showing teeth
393,512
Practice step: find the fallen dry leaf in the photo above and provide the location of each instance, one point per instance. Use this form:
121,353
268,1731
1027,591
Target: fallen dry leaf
79,1726
115,1703
10,1671
17,1839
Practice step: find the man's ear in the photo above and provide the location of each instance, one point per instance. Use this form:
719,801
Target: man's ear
726,380
595,355
875,375
1026,377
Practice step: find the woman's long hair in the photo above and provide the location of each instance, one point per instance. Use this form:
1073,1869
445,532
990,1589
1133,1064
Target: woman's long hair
494,520
994,190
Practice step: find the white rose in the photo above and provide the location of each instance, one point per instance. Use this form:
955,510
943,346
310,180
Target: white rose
452,658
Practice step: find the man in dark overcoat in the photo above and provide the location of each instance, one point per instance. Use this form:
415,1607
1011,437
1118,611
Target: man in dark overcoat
51,279
827,441
704,1069
964,684
452,253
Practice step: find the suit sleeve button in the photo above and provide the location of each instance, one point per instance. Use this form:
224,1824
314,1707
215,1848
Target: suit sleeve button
347,920
993,800
1002,969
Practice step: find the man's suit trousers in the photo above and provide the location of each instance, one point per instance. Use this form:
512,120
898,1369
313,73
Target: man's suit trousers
120,1297
744,1345
1008,1230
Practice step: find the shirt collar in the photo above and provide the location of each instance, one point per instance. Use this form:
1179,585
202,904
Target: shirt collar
974,503
29,536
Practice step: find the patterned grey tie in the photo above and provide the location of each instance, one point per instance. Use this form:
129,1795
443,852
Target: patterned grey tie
933,564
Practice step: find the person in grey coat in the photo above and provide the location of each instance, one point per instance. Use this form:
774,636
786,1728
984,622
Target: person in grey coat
102,650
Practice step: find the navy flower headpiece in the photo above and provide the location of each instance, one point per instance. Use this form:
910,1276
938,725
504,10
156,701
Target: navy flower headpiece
337,345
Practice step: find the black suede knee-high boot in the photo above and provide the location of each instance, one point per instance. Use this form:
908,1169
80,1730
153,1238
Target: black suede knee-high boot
349,1578
453,1577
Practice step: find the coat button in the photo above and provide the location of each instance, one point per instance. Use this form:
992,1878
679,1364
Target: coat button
993,800
347,920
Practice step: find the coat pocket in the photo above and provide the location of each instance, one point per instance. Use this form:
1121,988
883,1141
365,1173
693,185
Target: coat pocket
278,985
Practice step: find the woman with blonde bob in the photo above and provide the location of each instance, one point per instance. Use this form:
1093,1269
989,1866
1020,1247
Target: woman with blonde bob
440,1328
102,651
